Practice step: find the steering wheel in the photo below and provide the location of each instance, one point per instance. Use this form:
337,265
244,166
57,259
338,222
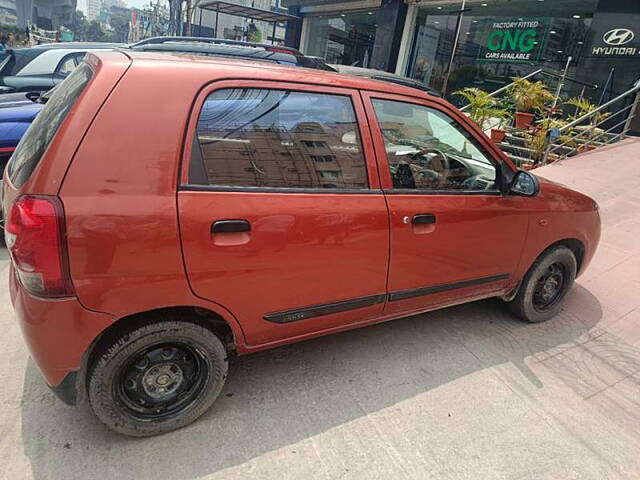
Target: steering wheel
439,163
470,183
403,177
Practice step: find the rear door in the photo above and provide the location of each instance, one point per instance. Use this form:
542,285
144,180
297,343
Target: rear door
281,214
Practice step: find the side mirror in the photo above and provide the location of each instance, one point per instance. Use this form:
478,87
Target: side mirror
525,184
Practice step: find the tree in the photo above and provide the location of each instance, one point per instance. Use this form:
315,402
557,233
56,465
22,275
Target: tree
120,23
95,32
175,17
79,26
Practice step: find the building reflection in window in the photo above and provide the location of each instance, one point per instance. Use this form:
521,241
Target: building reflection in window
279,138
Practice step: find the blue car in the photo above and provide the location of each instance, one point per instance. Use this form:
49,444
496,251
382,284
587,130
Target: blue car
17,111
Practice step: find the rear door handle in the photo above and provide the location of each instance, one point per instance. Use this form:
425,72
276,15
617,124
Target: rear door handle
424,219
230,226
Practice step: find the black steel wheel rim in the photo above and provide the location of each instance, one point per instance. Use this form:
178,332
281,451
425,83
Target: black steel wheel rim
549,287
162,381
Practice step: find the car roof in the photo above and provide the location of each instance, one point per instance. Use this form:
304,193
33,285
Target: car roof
247,69
253,52
230,48
210,41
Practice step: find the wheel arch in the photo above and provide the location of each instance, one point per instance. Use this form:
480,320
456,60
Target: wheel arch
207,318
575,245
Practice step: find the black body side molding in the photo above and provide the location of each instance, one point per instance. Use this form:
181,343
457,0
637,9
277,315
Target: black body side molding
418,292
304,313
324,309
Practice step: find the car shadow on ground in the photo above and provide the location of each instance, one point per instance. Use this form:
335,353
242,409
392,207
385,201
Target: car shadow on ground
280,397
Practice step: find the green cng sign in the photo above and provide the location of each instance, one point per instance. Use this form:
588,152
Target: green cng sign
519,40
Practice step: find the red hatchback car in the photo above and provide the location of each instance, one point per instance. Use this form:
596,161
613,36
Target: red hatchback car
165,211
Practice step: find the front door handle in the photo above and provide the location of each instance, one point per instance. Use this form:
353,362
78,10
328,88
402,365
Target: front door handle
424,219
230,226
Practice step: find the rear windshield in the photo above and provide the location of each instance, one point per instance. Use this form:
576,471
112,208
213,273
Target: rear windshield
35,141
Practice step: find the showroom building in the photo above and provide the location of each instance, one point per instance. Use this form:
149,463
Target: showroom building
480,43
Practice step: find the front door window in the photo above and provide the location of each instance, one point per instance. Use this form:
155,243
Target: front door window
428,150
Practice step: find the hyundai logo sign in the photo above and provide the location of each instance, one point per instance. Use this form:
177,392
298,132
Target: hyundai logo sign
618,36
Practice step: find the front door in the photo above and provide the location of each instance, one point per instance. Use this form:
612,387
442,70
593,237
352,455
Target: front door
281,214
454,237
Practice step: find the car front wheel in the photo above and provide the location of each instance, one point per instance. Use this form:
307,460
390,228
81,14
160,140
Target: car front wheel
545,286
157,377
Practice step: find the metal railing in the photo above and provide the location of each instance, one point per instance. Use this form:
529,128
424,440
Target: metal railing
585,132
506,87
499,122
561,77
575,142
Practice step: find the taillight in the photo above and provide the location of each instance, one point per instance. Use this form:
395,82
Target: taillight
35,238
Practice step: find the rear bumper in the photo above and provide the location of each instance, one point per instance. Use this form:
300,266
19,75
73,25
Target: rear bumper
57,332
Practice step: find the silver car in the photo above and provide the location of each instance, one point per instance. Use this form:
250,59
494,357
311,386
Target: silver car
42,67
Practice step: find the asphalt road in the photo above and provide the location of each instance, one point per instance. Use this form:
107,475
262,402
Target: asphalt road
463,393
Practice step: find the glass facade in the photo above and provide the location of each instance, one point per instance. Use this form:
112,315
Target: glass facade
498,41
343,38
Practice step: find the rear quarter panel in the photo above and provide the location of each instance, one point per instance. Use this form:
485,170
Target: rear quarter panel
49,173
119,197
47,177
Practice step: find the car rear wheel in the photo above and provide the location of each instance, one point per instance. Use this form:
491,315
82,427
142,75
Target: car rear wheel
545,286
157,377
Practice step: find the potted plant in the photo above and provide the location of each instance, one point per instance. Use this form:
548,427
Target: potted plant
590,131
498,134
537,140
483,109
528,97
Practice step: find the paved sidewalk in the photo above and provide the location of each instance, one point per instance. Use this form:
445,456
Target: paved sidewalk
463,393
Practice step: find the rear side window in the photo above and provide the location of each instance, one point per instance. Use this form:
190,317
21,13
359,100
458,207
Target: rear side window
277,139
69,63
35,141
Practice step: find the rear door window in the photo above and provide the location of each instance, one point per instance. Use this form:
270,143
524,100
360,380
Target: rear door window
35,141
251,137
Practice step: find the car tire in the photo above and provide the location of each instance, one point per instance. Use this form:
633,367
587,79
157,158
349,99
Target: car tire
545,286
157,377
